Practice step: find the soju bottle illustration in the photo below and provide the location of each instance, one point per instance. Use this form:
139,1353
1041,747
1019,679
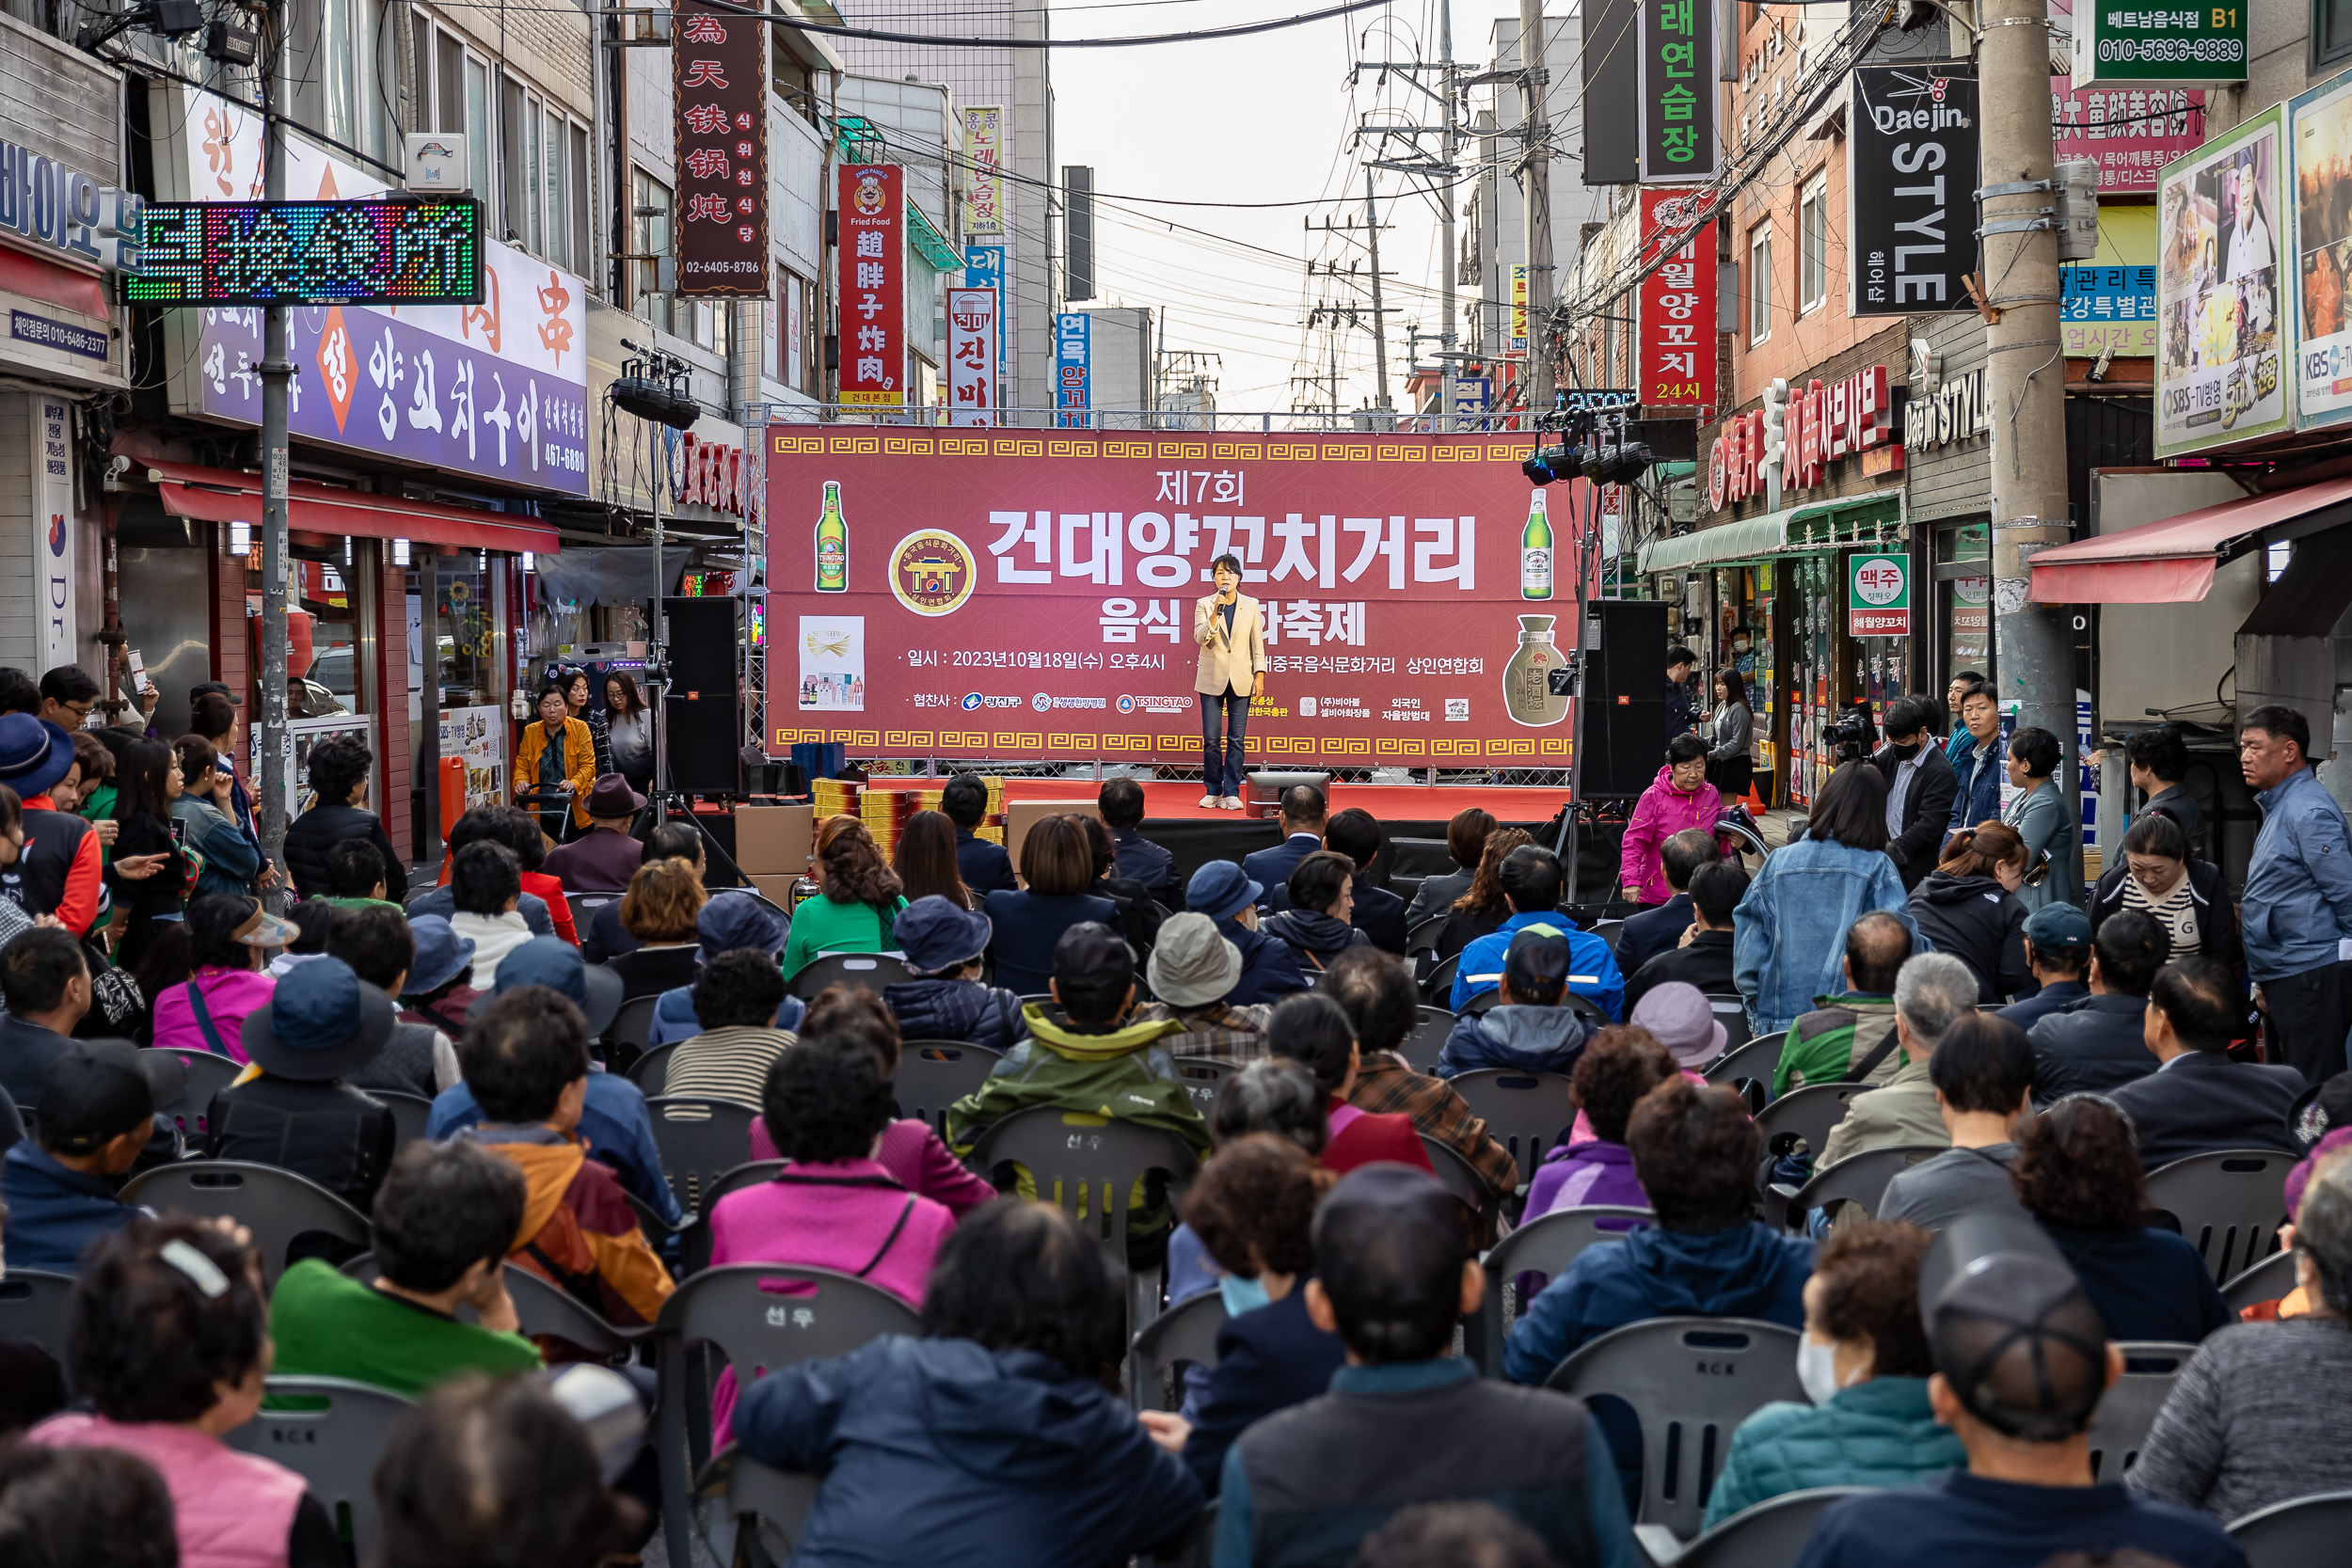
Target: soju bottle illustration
1535,551
832,544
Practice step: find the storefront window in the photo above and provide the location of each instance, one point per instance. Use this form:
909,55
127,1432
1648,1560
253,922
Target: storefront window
1963,600
469,630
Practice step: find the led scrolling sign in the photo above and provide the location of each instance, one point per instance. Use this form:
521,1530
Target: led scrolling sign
384,251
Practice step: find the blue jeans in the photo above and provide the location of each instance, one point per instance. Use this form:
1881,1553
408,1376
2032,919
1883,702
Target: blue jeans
1222,778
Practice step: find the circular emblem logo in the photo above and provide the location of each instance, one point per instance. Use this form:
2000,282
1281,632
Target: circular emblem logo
1042,702
971,701
931,572
1127,705
1878,580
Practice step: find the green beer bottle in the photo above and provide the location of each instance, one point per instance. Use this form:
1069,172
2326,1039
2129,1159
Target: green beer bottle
1536,553
832,544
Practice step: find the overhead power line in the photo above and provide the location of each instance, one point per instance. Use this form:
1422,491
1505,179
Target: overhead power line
1201,35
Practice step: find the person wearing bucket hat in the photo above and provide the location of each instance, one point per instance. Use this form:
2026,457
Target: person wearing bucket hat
97,1104
1269,970
439,988
291,1108
59,869
603,859
1684,1021
946,947
229,937
1193,969
734,920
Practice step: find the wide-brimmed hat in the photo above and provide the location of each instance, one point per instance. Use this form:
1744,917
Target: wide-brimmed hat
260,928
442,955
609,797
1683,1020
1220,889
1193,963
33,753
552,962
321,1021
937,937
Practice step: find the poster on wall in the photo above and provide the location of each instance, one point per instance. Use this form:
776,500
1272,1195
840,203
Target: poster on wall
2219,375
1910,215
1031,593
301,735
478,734
2319,130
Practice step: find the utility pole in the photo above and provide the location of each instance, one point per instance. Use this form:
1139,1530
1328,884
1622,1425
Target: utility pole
1379,318
1447,205
276,378
1536,190
2026,378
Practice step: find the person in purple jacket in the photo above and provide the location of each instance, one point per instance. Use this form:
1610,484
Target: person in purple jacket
1621,1063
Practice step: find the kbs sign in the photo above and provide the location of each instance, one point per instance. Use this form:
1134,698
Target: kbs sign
1031,593
1877,598
873,287
1824,423
1676,307
719,73
972,357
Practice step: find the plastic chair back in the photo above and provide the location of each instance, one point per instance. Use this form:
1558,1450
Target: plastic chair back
275,1205
752,1514
332,1444
867,971
1808,1113
585,907
208,1075
1860,1177
1438,983
934,1074
1546,1246
2120,1427
1610,931
1731,1011
1749,1067
2296,1533
630,1026
1421,1048
1768,1535
34,1307
695,1244
1085,1163
700,1141
1691,1381
651,1069
1525,1112
1456,1174
1205,1079
410,1112
2268,1280
1186,1331
2230,1203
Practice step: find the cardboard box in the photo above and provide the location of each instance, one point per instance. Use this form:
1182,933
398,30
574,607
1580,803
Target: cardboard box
1021,814
775,888
775,840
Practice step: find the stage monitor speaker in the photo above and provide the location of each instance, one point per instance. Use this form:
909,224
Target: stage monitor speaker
1624,680
705,735
703,649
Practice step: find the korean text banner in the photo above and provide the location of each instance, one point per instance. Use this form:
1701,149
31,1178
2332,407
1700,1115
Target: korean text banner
1678,141
972,357
983,154
2132,131
2319,130
718,76
1911,173
873,286
2220,378
1034,595
1676,307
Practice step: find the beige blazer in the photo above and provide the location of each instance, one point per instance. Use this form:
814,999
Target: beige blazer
1228,664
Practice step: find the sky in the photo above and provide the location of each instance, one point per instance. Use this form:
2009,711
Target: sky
1262,119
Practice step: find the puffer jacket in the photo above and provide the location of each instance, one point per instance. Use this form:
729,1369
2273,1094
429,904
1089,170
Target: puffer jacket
1269,968
1123,1072
1314,937
1523,1039
1662,812
1788,934
1983,925
962,1010
1876,1433
323,827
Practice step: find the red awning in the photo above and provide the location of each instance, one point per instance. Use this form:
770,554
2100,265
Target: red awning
70,288
225,495
2172,561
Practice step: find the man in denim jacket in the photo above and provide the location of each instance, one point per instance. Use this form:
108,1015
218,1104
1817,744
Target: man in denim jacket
2298,896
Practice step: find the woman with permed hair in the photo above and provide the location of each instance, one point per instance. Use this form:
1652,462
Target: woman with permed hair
858,898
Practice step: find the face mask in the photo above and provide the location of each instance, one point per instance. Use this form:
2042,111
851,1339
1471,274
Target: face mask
1244,1296
1902,754
1817,1368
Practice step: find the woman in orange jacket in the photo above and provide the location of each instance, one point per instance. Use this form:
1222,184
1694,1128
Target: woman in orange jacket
556,754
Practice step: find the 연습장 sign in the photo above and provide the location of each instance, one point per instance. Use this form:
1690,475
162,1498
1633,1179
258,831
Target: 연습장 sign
873,286
984,182
1878,598
1679,90
719,73
1910,169
2220,371
366,252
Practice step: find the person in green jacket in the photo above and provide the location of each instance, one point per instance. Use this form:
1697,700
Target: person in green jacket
1084,1055
1864,1359
1842,1032
859,897
443,1221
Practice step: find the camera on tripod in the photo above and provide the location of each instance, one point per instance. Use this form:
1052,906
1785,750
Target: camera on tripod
1853,738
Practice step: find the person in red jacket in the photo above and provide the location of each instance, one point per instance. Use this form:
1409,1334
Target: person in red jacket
1315,1030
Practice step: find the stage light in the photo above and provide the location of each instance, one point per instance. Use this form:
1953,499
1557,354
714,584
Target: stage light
1545,464
1619,464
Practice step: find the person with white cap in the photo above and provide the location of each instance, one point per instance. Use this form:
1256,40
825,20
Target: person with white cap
1193,970
289,1107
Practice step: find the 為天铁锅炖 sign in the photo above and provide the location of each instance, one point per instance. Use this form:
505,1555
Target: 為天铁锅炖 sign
1033,594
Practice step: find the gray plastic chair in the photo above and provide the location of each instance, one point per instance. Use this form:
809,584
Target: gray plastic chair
1186,1331
275,1205
585,907
1768,1535
1421,1048
2296,1533
1856,1179
1458,1175
2268,1280
934,1074
1205,1080
333,1445
650,1071
410,1112
34,1307
700,1141
1809,1113
1750,1068
752,1316
1691,1381
1546,1245
630,1026
695,1244
1731,1011
1524,1112
2128,1410
2230,1204
208,1075
752,1514
866,971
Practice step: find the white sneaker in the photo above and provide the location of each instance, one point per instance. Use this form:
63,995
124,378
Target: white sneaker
1209,801
1231,803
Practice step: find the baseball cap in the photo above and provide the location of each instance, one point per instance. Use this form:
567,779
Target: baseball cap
1091,954
1538,962
98,1090
936,936
552,962
2058,927
1221,888
2011,1328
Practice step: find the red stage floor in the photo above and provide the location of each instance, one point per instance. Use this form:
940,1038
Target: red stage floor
1170,799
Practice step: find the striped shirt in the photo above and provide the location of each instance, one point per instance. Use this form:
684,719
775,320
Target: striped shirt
2176,911
725,1064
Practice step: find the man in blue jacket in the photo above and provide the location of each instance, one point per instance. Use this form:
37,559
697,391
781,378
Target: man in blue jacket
1532,882
1121,805
1303,815
1981,764
2298,896
984,867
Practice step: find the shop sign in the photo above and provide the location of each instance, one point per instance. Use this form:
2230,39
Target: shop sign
2107,306
1878,596
873,287
2179,44
1675,309
1518,310
1910,169
2132,132
59,207
1472,396
971,391
2220,373
383,251
984,182
1851,416
984,268
1954,412
53,517
711,473
718,80
1678,141
1073,368
2320,134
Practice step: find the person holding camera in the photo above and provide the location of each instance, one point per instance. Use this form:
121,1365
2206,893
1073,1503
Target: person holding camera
1920,787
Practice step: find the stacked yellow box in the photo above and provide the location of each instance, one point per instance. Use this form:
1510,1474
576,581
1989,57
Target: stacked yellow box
992,832
882,811
834,798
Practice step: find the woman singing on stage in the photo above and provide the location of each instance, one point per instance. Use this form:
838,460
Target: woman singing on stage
1231,635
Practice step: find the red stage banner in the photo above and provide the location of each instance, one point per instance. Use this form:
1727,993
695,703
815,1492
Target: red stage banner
1031,594
873,286
1676,308
718,70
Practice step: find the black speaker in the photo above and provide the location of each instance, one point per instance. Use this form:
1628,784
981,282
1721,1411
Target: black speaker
704,734
1625,681
703,650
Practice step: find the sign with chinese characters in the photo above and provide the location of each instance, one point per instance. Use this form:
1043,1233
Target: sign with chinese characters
1679,141
53,529
2102,308
1518,310
984,182
1878,596
1853,417
497,389
2319,131
2178,44
1911,173
1073,368
972,393
375,252
2220,371
717,63
1674,308
873,287
2132,131
1030,594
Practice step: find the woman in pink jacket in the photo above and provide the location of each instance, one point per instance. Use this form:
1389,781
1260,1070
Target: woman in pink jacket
1677,799
171,1343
